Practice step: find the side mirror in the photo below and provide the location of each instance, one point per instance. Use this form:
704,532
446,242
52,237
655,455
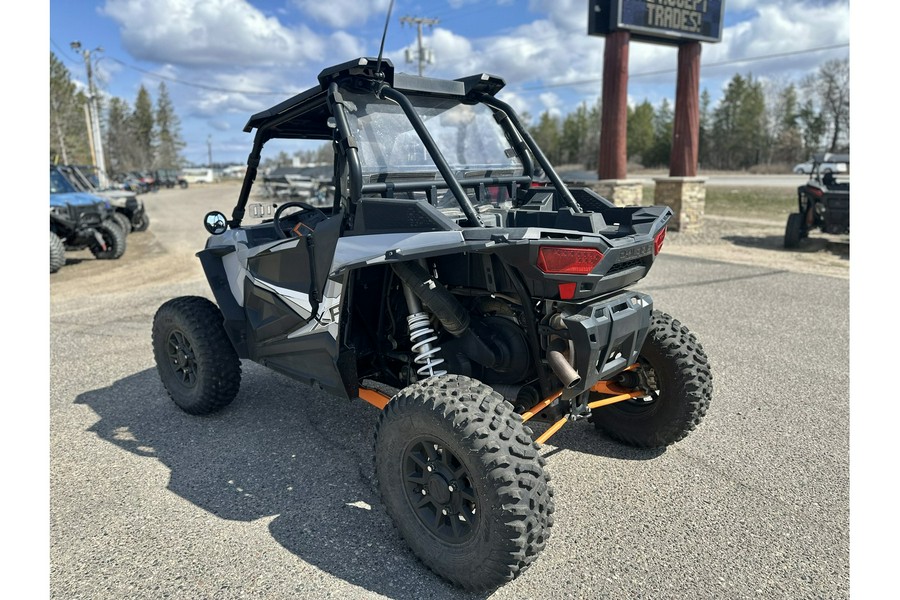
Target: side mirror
215,222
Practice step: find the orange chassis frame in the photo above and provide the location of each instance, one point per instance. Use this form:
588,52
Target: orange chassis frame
615,394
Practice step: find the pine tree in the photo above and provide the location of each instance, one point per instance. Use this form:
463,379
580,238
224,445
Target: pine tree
119,146
641,132
547,134
705,127
590,152
68,127
814,126
143,128
663,124
575,128
739,125
788,138
168,132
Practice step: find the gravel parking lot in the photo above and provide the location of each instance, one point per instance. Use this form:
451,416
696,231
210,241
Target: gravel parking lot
274,497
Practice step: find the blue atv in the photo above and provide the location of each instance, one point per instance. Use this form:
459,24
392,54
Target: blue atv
79,220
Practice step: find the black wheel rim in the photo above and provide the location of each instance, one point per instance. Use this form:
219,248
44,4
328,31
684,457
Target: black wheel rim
440,490
181,358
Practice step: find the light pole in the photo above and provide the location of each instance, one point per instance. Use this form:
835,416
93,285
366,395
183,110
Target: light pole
95,138
425,55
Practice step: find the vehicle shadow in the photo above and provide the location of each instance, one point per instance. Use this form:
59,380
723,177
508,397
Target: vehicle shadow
581,436
281,449
811,245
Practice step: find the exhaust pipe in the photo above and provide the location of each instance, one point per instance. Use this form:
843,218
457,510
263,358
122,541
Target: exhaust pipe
560,365
556,356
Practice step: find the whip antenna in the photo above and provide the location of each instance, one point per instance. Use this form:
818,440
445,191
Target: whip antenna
387,22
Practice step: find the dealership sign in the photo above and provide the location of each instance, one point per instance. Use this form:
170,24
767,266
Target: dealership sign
658,21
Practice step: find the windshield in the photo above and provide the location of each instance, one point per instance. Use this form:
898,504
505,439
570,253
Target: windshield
59,184
472,142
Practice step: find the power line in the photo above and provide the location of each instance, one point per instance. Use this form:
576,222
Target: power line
708,65
199,85
180,81
64,54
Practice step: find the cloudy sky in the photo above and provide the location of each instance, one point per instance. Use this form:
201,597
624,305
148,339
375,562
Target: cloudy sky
223,60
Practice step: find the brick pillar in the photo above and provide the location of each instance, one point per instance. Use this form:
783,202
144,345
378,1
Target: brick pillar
621,192
686,196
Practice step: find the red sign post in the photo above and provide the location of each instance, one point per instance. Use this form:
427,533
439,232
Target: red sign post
684,23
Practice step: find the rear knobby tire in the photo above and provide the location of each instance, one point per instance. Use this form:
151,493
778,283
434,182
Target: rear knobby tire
57,253
113,238
792,231
676,367
486,473
143,222
194,357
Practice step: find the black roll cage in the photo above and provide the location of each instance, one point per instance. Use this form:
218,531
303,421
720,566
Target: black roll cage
304,116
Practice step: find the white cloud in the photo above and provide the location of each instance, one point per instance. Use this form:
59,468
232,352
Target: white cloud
548,61
210,32
343,13
567,15
555,53
551,103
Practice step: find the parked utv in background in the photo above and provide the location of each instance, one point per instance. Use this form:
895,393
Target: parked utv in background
170,178
79,220
443,288
823,202
130,213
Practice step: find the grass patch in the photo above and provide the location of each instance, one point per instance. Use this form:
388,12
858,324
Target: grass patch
767,203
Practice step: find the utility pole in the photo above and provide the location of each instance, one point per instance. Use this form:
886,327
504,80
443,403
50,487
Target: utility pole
425,55
95,136
209,150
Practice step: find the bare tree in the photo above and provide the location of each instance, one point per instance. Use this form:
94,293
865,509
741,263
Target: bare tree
830,86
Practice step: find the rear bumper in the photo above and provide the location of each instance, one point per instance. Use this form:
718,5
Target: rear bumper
606,336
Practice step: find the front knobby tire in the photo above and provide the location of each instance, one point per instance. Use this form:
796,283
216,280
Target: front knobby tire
57,253
675,368
143,222
194,357
113,240
793,230
461,477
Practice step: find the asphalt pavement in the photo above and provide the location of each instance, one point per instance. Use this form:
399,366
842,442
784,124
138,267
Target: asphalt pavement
274,497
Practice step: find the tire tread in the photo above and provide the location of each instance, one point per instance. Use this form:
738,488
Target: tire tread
488,427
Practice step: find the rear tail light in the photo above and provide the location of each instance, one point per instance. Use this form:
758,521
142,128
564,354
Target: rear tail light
658,241
568,261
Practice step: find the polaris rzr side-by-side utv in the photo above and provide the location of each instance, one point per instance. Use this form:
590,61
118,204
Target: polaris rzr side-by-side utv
79,220
446,289
823,202
130,213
